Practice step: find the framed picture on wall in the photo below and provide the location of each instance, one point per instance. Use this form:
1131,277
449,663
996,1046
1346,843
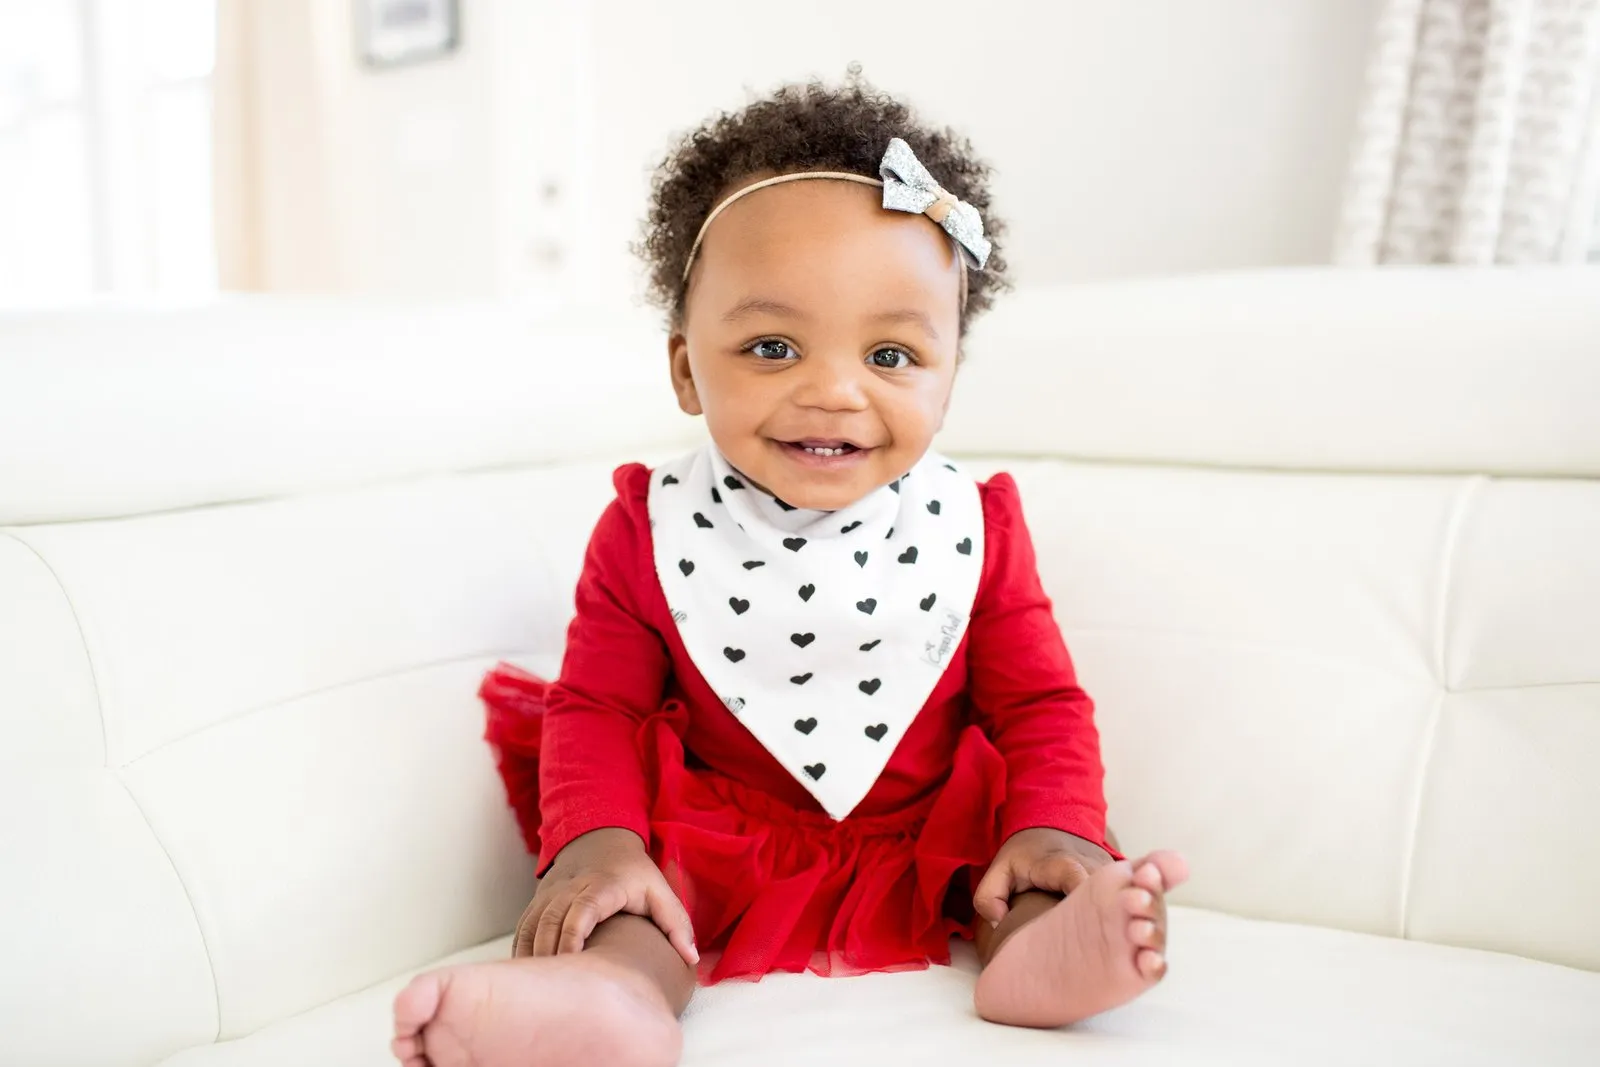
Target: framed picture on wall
393,32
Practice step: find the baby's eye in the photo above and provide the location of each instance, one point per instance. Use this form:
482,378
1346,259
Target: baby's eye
773,349
890,359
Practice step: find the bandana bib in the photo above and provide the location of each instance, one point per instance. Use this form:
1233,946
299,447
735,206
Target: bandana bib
823,631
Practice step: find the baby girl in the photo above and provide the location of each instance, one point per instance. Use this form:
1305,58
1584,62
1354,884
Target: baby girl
815,712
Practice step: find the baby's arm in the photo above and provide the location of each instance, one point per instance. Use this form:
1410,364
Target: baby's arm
590,772
1024,690
593,796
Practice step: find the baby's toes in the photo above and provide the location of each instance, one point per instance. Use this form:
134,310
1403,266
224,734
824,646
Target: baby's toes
1152,965
1148,876
1139,903
1172,868
1144,933
408,1050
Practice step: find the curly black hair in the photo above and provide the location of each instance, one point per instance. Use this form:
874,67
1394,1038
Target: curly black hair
799,127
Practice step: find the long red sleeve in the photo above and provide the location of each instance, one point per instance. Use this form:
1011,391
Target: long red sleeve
612,677
1024,690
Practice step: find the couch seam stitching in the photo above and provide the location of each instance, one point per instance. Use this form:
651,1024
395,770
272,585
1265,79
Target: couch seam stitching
1509,687
1424,762
188,895
105,751
83,638
332,687
1448,552
1346,662
606,460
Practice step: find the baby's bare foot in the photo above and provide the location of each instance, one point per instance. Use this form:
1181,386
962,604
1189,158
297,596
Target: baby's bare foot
1100,947
552,1011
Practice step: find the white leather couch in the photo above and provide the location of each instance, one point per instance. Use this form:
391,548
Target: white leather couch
1326,547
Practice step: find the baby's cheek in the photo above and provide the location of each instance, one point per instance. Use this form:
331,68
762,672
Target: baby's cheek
917,422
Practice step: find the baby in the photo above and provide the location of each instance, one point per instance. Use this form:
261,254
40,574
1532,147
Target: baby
815,712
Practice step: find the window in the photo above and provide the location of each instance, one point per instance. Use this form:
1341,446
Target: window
105,148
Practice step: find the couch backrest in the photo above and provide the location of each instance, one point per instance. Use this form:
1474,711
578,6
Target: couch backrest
254,558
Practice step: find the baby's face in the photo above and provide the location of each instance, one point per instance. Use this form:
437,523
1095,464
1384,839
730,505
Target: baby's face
819,339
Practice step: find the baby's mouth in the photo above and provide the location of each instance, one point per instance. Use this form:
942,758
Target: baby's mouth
818,446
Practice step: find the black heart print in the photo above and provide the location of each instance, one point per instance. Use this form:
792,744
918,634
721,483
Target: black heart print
895,485
951,467
889,534
670,479
794,541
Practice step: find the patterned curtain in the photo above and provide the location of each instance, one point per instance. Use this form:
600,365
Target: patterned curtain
1479,140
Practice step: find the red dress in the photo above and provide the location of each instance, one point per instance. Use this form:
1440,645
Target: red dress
631,736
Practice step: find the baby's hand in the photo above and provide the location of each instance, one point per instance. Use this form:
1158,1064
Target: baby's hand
1038,858
596,876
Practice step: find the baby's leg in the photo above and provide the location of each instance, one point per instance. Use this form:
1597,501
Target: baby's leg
616,1002
1052,961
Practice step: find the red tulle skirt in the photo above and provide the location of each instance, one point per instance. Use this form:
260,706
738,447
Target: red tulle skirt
772,888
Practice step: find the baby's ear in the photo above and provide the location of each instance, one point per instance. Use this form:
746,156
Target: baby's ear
682,379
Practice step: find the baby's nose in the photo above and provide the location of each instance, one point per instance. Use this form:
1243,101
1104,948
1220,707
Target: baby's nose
832,385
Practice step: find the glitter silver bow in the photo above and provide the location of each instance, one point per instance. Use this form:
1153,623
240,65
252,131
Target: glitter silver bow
907,186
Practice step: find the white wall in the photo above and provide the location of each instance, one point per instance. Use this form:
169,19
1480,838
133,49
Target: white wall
1135,137
1131,137
336,177
417,147
422,152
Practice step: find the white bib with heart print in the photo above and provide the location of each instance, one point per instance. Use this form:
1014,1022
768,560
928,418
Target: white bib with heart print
825,632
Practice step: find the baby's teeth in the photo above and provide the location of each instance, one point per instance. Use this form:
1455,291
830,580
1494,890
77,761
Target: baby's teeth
825,451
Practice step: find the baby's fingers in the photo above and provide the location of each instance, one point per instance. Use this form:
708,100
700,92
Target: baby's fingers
592,906
1057,873
666,911
547,928
527,927
992,898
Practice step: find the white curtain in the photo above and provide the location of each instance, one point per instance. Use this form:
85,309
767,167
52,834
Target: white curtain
276,84
1479,139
